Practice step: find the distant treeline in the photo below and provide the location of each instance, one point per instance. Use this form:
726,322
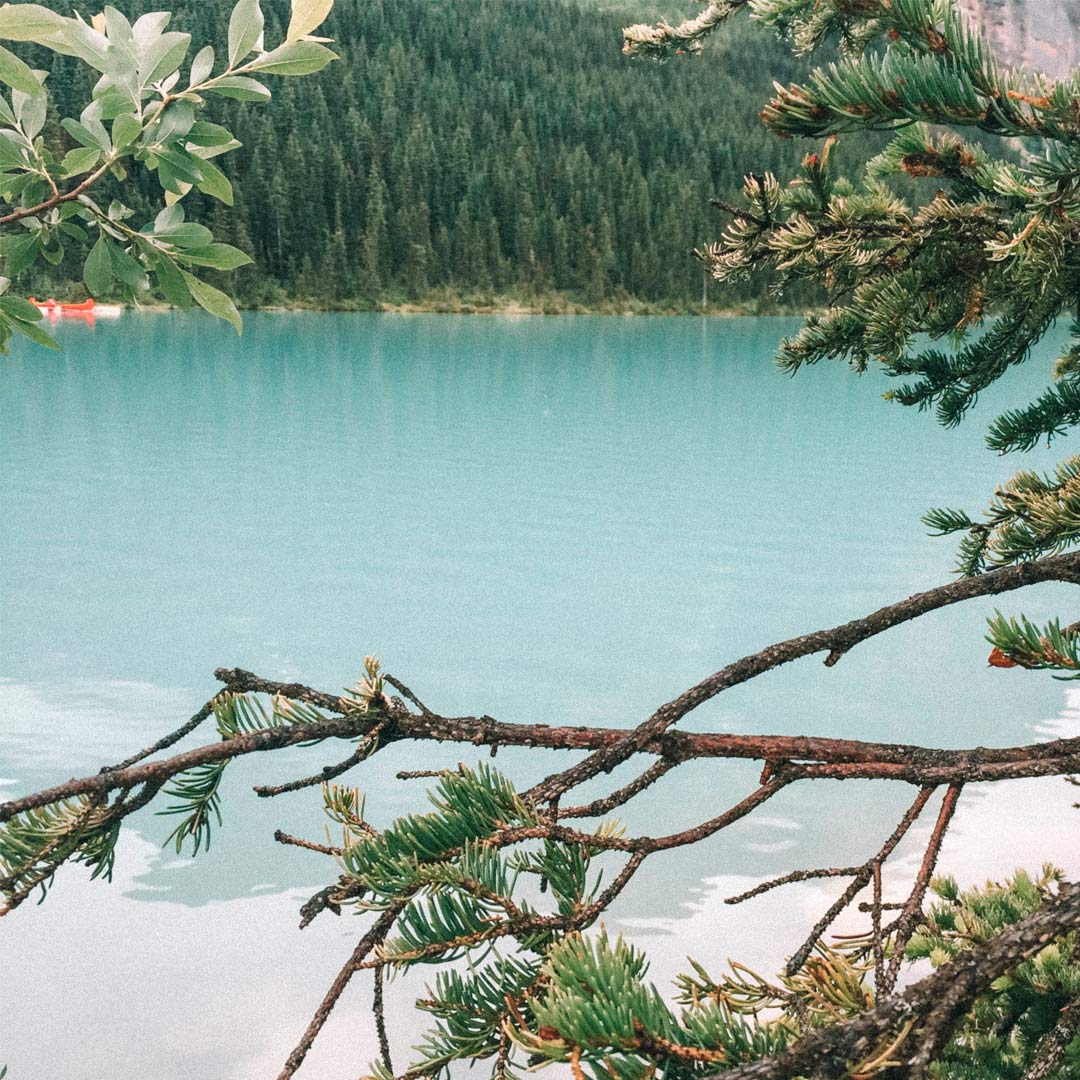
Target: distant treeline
481,148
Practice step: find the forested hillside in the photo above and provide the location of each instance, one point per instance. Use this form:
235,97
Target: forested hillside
482,148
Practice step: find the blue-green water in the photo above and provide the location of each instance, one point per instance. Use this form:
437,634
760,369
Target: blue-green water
558,520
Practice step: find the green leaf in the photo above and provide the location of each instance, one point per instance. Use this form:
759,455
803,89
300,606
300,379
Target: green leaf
30,109
240,88
214,182
39,337
217,256
17,75
128,269
78,39
176,120
52,255
213,300
307,15
170,280
80,160
76,232
125,130
187,235
29,22
202,65
204,133
245,29
169,218
294,58
148,28
10,153
18,308
98,271
181,163
19,252
163,57
85,136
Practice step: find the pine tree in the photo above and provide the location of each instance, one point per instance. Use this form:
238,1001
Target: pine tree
952,232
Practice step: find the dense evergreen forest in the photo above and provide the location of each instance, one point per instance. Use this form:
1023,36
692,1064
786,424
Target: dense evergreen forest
472,150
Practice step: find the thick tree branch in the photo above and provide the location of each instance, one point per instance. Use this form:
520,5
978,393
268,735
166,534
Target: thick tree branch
830,1051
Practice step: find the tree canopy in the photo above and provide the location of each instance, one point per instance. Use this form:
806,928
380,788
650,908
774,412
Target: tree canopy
448,158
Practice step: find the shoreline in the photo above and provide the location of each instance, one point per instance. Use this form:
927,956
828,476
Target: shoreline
506,308
450,303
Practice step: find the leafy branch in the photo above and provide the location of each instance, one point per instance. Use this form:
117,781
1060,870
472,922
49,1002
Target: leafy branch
142,114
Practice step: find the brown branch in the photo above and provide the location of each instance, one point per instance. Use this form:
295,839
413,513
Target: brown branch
792,878
833,759
860,881
307,845
645,844
599,807
380,1022
837,642
612,746
331,898
875,929
167,741
912,910
374,937
328,772
828,1052
57,200
1050,1051
404,690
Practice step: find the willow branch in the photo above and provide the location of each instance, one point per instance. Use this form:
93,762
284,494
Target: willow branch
57,199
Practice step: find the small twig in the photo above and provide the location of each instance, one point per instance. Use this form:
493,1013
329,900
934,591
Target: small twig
168,740
861,880
428,774
912,911
368,746
58,200
792,878
375,936
402,689
380,1022
624,794
331,898
308,845
875,923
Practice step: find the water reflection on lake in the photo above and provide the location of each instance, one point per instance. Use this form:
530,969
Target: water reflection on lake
552,520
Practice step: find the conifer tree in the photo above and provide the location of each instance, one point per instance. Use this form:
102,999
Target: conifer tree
963,231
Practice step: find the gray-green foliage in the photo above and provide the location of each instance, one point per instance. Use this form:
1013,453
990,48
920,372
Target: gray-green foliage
144,113
951,233
1001,1036
957,232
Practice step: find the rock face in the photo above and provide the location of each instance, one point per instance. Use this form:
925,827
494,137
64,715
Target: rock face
1042,35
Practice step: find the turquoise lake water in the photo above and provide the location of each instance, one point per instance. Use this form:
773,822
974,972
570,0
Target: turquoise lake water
542,519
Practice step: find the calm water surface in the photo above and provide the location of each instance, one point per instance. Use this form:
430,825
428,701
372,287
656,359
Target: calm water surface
547,520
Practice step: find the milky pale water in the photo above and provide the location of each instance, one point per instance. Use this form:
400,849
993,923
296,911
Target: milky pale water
552,520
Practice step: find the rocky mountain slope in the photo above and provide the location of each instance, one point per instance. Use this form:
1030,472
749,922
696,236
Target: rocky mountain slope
1043,35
